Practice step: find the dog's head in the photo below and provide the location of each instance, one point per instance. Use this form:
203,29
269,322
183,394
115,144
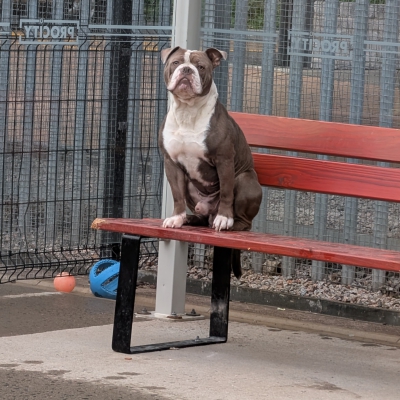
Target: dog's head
188,73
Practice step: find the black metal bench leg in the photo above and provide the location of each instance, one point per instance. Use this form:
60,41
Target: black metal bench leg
121,341
125,300
221,283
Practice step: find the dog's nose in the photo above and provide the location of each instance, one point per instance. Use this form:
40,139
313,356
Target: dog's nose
187,70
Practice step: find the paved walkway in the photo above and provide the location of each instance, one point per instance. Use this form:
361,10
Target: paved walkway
57,346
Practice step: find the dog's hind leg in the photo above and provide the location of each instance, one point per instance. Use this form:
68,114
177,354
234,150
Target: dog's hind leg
236,263
247,201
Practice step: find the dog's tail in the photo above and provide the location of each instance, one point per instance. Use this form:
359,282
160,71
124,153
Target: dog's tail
236,264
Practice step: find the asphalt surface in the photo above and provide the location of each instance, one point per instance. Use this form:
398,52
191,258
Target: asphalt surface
26,310
58,346
50,385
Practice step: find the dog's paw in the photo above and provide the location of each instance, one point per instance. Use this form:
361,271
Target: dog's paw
222,223
174,222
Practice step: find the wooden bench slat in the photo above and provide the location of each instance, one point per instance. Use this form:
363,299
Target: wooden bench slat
259,242
319,137
328,177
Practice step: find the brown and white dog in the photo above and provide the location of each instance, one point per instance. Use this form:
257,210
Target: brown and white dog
207,160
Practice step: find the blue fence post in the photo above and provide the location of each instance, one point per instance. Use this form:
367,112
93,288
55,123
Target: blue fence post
52,172
120,59
294,108
331,11
132,187
239,56
265,107
356,111
27,193
101,205
222,23
5,46
388,73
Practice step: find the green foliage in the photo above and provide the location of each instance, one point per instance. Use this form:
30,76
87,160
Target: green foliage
370,1
255,14
151,11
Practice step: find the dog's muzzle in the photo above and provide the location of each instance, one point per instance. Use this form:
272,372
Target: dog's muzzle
189,73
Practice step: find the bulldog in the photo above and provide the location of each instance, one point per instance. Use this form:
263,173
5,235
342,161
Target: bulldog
207,160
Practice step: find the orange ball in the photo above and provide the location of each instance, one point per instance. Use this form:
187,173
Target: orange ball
64,282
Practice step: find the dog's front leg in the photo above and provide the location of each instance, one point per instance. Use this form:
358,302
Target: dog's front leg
176,179
226,175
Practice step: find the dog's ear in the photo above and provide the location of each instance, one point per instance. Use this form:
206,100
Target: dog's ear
215,56
166,53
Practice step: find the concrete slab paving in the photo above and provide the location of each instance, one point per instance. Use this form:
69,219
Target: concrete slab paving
257,362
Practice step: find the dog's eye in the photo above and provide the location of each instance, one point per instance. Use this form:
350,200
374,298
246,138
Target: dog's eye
176,62
201,67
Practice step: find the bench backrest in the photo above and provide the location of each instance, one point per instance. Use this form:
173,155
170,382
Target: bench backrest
325,138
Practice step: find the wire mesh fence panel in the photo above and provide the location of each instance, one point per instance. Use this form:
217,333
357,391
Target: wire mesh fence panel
73,146
388,70
81,102
331,60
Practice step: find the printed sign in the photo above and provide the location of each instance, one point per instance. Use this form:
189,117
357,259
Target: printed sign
49,31
320,45
382,47
4,28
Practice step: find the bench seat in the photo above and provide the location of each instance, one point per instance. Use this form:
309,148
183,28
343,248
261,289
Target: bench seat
259,242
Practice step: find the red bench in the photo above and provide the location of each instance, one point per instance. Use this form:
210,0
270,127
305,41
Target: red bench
279,171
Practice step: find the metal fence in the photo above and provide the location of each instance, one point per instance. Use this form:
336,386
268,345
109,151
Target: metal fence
79,119
81,100
329,60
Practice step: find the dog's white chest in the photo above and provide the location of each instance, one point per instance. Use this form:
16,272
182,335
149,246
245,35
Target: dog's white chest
186,148
185,132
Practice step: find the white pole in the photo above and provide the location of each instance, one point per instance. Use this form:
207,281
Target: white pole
172,255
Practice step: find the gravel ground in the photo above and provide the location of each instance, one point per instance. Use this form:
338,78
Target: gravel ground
359,292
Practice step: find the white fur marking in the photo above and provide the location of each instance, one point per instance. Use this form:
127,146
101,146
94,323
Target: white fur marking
185,131
175,221
187,56
194,78
222,223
